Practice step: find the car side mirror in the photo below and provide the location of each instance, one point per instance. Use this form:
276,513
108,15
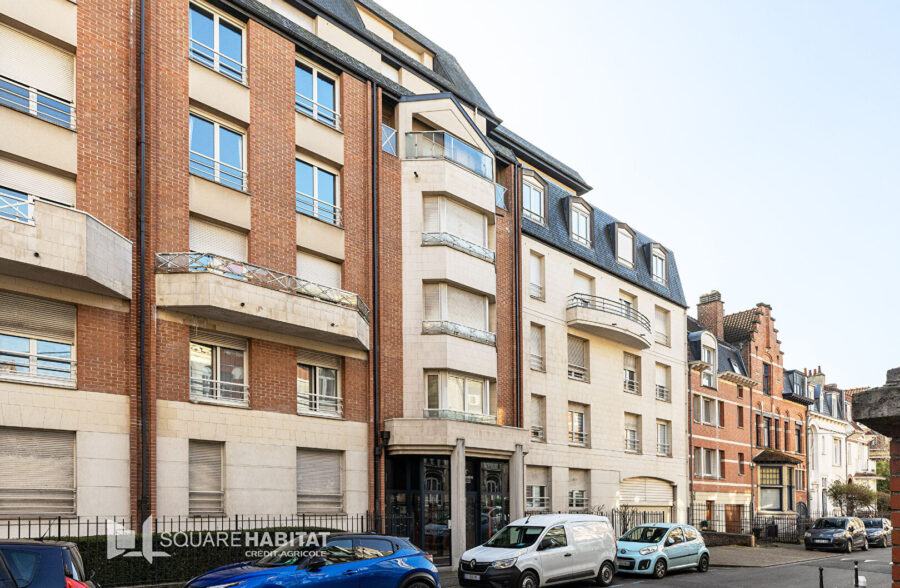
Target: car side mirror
545,544
316,563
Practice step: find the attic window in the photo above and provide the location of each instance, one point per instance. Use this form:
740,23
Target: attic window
734,366
580,224
658,265
625,246
533,202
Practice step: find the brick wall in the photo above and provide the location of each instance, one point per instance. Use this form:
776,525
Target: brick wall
173,371
506,236
105,350
273,377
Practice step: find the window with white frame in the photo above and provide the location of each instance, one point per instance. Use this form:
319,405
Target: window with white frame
710,459
632,433
632,373
37,472
450,395
661,326
836,451
536,358
708,376
578,498
658,265
315,95
445,215
536,276
538,418
318,384
580,224
206,489
663,438
536,497
533,202
578,484
771,488
319,481
16,206
625,246
218,369
446,303
37,340
663,382
578,359
698,462
316,192
217,42
577,424
217,153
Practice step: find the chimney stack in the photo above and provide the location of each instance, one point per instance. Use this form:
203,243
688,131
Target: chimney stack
711,313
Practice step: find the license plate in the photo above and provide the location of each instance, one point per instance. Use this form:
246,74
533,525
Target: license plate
625,564
822,541
475,577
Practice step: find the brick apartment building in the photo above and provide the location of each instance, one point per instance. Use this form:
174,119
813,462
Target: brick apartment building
266,265
749,414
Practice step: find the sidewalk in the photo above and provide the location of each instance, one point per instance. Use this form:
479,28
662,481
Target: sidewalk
733,556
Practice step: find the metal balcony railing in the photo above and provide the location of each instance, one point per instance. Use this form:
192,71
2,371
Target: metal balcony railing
537,433
458,330
663,393
320,209
388,139
578,501
664,449
320,112
535,290
39,104
577,372
458,243
205,55
16,206
661,338
217,171
632,445
220,391
578,437
319,404
35,367
632,386
536,362
442,145
173,263
537,502
614,307
460,415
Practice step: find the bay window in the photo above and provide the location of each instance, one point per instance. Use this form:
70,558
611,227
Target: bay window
459,396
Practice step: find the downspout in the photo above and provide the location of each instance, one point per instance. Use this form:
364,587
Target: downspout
691,464
520,421
375,315
142,298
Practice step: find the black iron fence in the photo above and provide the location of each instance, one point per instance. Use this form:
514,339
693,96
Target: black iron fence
180,548
621,519
740,519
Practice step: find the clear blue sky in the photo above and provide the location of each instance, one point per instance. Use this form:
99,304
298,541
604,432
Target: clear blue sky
759,140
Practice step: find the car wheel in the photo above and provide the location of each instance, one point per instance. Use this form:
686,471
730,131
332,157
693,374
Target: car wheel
419,584
849,546
659,569
528,580
703,565
866,545
605,575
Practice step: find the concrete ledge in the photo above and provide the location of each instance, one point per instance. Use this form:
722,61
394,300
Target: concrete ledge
715,539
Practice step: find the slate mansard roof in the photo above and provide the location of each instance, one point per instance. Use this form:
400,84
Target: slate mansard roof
728,357
602,252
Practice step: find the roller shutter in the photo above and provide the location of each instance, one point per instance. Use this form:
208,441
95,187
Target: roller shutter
34,63
431,221
319,481
206,237
645,492
431,302
466,308
318,270
577,355
206,493
37,182
537,476
37,318
319,359
581,284
218,339
466,223
37,472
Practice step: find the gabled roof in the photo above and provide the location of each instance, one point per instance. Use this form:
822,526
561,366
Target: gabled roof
740,326
775,456
564,173
727,356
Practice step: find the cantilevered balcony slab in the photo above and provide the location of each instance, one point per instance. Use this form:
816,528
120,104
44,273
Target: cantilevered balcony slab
63,246
222,289
610,319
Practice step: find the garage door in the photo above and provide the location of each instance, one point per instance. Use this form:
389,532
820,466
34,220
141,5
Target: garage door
645,492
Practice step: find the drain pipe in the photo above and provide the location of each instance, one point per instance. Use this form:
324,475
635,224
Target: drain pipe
375,314
142,298
520,421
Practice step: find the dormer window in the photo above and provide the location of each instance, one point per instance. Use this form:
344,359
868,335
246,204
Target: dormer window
625,246
580,224
658,265
533,202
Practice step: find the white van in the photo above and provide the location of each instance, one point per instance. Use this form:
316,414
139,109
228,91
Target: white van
541,550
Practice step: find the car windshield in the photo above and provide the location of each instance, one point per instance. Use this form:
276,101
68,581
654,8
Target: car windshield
873,523
645,534
514,536
830,524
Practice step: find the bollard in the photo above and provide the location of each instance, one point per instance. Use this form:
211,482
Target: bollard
821,578
856,572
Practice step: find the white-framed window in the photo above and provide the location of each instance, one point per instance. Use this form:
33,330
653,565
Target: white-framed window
578,498
578,359
315,95
661,329
632,433
625,246
452,395
217,42
577,425
206,488
445,215
533,202
710,463
836,451
538,418
663,382
316,192
217,152
698,462
708,376
37,472
319,481
37,340
536,356
580,224
319,384
446,303
632,373
536,275
663,438
771,488
218,369
536,497
658,265
16,206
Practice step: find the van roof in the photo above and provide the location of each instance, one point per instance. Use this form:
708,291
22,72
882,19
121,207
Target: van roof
545,520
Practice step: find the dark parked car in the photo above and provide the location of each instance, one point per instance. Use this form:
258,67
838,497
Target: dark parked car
41,564
838,533
878,532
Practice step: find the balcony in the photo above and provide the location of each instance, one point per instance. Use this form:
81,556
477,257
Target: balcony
663,393
461,331
459,244
63,246
218,288
460,415
610,319
442,145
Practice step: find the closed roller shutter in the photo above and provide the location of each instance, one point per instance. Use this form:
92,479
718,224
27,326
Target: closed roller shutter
534,268
318,270
37,64
206,237
466,309
578,480
537,341
37,318
319,481
218,339
466,223
37,182
320,359
431,301
37,472
576,352
537,410
581,284
537,476
206,495
431,219
645,492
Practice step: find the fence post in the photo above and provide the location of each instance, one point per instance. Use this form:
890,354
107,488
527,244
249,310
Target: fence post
856,571
821,577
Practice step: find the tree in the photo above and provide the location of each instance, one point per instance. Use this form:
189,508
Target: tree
850,497
883,469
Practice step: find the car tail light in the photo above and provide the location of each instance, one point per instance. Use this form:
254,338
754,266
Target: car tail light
70,583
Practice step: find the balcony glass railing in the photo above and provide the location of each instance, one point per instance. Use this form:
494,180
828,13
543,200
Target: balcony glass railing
459,415
174,263
388,139
611,306
220,391
458,330
15,205
441,145
39,104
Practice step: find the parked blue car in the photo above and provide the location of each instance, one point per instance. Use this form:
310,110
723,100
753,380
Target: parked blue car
655,549
347,561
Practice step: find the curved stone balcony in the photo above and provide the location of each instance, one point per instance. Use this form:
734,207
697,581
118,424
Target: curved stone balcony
610,319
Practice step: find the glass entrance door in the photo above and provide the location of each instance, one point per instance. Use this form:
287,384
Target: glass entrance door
487,499
418,500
